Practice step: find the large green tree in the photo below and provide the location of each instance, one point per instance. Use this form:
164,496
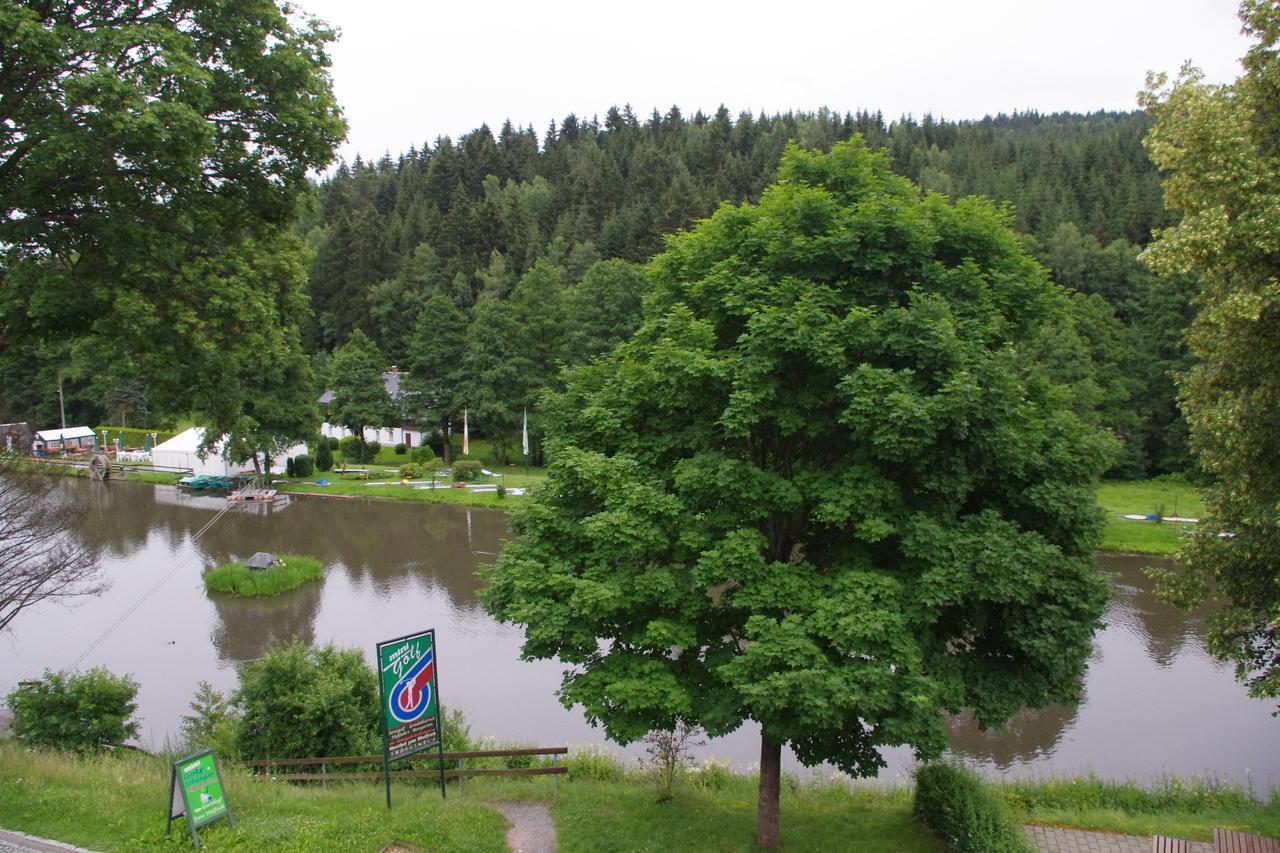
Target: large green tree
142,142
1220,146
823,488
360,397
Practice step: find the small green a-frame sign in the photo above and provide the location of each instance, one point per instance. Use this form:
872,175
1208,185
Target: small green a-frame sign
195,790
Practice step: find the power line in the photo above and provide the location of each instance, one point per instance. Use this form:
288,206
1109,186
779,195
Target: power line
231,502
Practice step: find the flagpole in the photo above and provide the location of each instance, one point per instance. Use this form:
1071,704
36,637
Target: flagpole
466,440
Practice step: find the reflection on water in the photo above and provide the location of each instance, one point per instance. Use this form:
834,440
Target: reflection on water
1154,702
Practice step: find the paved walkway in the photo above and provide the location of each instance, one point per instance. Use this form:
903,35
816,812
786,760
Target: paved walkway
532,830
1052,839
17,842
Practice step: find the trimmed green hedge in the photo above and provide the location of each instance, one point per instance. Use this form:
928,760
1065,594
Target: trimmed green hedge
955,804
238,579
133,437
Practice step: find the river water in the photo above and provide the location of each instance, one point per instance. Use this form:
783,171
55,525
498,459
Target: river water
1154,703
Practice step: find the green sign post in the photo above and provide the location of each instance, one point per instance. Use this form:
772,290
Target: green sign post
195,790
407,669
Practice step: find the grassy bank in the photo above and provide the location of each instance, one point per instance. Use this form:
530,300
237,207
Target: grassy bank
1171,806
1164,496
385,484
239,579
110,803
116,803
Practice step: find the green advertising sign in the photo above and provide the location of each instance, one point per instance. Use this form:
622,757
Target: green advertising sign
195,790
410,698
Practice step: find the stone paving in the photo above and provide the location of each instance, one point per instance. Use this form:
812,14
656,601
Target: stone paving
17,842
1052,839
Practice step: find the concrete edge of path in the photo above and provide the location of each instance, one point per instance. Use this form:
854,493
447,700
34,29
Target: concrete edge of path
30,842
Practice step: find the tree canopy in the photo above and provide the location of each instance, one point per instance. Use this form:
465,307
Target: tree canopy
824,487
148,151
1220,146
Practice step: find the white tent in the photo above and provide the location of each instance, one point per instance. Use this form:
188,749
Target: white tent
55,439
182,451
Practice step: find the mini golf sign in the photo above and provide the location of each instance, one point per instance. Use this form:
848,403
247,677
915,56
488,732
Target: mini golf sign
195,790
410,700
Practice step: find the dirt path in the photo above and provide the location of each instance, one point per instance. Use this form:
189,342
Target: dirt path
532,830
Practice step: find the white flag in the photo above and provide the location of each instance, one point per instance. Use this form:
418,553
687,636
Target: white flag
466,441
524,435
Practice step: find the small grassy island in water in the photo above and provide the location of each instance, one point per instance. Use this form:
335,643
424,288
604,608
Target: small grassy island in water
288,572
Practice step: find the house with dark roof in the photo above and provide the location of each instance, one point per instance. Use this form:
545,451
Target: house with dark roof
406,432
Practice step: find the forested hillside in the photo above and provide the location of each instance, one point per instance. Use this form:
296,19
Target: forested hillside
481,265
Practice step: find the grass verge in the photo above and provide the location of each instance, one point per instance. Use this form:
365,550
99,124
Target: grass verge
1171,806
114,803
238,579
1163,496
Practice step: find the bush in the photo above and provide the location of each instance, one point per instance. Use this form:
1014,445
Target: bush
593,761
302,465
350,447
956,805
332,442
502,491
301,702
324,454
411,471
288,468
466,469
71,710
214,723
371,451
401,449
422,455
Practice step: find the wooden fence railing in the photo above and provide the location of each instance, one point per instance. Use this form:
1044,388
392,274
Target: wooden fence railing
281,768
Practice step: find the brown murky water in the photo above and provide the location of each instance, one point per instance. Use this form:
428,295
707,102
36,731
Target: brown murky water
1155,703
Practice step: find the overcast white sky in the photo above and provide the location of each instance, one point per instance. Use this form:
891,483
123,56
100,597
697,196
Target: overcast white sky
407,71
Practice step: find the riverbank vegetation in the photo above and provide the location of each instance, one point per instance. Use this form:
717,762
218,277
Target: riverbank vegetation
604,808
238,579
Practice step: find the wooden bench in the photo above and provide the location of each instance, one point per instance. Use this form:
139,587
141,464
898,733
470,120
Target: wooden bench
1164,844
460,772
1232,841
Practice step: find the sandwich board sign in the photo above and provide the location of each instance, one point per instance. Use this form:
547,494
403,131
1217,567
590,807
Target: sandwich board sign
195,790
410,698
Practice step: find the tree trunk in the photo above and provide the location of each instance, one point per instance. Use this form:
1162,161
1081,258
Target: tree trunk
767,808
444,441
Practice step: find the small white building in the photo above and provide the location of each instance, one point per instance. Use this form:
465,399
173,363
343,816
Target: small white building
71,438
409,434
183,451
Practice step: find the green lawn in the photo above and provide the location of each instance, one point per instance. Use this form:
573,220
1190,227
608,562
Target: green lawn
594,817
1165,496
384,484
117,803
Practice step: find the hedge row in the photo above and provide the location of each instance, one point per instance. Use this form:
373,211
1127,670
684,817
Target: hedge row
956,805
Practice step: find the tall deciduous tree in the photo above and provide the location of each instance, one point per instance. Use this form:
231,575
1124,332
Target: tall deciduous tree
140,141
1220,146
822,488
436,352
360,396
